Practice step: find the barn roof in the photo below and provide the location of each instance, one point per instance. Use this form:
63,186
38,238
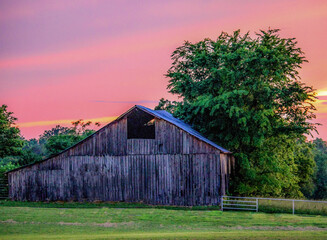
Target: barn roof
179,123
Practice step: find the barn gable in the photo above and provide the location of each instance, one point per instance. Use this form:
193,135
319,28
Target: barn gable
111,139
162,114
144,155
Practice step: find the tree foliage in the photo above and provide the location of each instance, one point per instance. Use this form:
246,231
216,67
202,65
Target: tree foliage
60,138
10,140
245,94
306,165
32,151
321,171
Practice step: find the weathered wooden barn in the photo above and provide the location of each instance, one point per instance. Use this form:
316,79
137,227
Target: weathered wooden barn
143,156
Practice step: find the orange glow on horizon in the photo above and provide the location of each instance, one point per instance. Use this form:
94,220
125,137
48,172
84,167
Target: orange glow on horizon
64,121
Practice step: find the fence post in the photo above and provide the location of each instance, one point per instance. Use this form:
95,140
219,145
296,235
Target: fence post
256,204
222,203
293,206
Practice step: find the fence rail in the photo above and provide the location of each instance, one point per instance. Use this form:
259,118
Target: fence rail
252,203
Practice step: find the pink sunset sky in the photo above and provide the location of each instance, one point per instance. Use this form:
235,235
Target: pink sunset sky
67,60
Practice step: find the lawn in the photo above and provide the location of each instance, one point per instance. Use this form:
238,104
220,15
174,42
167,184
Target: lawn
128,221
281,206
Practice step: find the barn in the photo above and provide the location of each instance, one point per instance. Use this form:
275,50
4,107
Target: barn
143,156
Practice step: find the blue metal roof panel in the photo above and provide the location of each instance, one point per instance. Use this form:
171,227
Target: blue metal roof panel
179,123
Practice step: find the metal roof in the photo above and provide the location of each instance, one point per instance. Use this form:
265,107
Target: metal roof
179,123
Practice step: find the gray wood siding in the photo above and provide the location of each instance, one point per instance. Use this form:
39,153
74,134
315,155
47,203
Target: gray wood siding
112,140
179,179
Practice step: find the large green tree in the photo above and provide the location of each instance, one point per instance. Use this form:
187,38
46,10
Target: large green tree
10,139
245,94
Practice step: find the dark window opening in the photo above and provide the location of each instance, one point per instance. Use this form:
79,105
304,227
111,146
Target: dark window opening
140,125
160,148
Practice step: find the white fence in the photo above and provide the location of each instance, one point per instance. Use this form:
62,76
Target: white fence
252,203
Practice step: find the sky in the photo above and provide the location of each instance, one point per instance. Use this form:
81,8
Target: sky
66,60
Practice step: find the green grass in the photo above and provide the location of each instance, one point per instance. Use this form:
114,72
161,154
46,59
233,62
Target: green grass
274,206
23,220
280,206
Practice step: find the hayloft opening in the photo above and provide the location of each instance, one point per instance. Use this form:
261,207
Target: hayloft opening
140,125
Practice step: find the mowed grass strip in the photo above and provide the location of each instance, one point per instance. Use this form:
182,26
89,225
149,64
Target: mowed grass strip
180,235
154,223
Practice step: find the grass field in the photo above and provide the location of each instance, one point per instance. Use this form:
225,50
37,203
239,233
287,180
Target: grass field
135,221
280,206
276,206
